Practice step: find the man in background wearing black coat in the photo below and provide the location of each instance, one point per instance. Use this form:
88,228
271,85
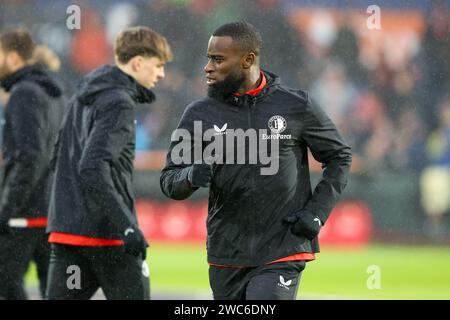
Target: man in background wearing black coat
33,115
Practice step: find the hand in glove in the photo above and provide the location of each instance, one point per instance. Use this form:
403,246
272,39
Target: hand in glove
200,175
305,224
135,242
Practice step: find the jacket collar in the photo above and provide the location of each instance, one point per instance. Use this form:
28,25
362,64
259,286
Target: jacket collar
272,84
139,92
37,74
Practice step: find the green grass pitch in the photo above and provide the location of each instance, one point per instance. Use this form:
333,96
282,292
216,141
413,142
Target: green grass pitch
402,272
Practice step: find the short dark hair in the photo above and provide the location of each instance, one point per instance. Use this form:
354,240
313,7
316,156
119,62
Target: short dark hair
141,41
18,40
246,35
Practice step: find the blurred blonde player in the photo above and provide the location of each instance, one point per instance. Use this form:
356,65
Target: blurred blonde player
435,179
92,214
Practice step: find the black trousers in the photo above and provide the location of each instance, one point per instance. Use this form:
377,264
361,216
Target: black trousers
17,250
76,273
277,281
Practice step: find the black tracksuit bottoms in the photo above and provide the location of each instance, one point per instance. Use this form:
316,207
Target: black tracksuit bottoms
276,281
77,272
17,250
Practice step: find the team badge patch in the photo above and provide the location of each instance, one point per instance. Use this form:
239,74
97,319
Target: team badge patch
277,124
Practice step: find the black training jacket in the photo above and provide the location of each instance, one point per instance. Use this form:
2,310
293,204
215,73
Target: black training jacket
246,209
92,191
32,117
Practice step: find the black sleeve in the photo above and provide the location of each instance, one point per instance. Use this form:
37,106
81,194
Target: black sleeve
54,157
55,150
25,113
327,147
174,176
111,132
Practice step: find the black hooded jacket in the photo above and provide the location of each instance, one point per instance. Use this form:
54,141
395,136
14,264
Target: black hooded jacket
33,116
92,191
246,208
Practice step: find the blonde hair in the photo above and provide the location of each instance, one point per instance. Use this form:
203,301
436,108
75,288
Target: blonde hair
46,56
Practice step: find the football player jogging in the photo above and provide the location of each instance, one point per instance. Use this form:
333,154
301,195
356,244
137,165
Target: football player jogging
33,115
262,226
95,238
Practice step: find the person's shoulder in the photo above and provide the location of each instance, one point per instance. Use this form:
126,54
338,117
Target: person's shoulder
199,105
115,99
26,94
300,96
26,89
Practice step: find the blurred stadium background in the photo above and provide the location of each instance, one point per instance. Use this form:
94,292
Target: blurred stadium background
386,89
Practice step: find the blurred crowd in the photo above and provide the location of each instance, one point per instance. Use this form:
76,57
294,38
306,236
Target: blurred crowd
394,116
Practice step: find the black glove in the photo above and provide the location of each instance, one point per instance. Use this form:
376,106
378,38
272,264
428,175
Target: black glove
4,227
135,242
200,175
305,224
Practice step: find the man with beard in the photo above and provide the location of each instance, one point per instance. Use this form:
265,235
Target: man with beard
33,115
262,228
94,234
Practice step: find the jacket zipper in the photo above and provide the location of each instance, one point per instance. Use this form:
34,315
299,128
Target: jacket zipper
252,226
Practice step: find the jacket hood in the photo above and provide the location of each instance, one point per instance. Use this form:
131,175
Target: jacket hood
37,74
272,81
111,78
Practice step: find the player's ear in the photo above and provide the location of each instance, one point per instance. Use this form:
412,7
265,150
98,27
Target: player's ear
136,63
248,60
12,58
